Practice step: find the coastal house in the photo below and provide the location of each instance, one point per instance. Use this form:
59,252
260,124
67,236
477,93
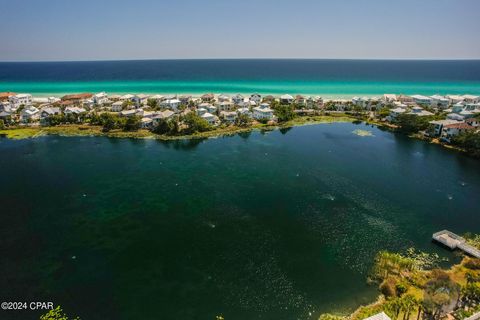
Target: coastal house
437,125
405,99
49,111
74,110
228,116
263,112
18,100
117,106
30,114
185,99
208,97
286,99
256,97
226,106
223,98
451,130
158,98
300,101
135,100
423,100
419,111
474,122
77,99
455,99
468,98
395,112
238,98
163,115
146,123
439,101
5,115
5,106
100,98
131,113
172,104
245,111
210,118
389,98
201,111
5,95
455,116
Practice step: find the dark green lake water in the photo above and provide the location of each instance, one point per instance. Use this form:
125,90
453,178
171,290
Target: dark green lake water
259,226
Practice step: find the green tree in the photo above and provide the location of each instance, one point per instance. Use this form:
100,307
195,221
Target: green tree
132,124
410,123
165,126
152,103
56,314
243,120
384,112
195,123
470,141
284,112
2,124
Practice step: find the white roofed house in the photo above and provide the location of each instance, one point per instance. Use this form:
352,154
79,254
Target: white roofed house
30,114
172,104
263,112
210,118
147,123
422,99
226,106
455,98
18,100
131,98
48,112
474,122
100,98
471,98
143,99
117,106
256,97
185,99
238,98
74,110
395,112
201,111
286,99
389,98
163,115
223,98
418,111
245,111
228,116
439,102
379,316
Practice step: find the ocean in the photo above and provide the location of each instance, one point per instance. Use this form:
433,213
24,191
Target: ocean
328,78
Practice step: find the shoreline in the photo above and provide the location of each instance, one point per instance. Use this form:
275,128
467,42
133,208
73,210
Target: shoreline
22,133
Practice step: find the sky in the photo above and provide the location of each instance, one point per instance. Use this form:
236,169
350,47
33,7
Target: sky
58,30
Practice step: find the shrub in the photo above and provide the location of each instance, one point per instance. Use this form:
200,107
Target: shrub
388,288
472,264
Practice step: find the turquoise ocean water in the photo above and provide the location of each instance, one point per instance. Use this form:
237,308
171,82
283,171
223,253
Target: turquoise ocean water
329,78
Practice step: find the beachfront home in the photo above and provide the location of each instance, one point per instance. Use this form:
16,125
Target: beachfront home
172,104
418,111
437,125
439,101
451,130
226,106
5,115
263,112
455,99
419,99
185,99
208,97
146,123
286,99
210,118
238,98
100,98
405,99
117,106
135,100
228,116
455,116
300,101
20,99
30,114
468,98
256,97
163,115
389,98
4,106
223,98
159,98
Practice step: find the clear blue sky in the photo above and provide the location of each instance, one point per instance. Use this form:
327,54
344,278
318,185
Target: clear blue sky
147,29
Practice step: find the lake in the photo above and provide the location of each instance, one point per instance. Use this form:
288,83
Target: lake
262,225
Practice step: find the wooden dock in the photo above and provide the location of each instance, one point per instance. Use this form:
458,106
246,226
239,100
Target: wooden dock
454,241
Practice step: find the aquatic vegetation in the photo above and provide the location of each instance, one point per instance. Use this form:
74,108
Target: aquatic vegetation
363,133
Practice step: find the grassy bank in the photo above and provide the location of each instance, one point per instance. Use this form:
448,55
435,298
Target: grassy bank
90,130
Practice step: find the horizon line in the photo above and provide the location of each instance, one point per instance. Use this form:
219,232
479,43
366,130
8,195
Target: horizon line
245,59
